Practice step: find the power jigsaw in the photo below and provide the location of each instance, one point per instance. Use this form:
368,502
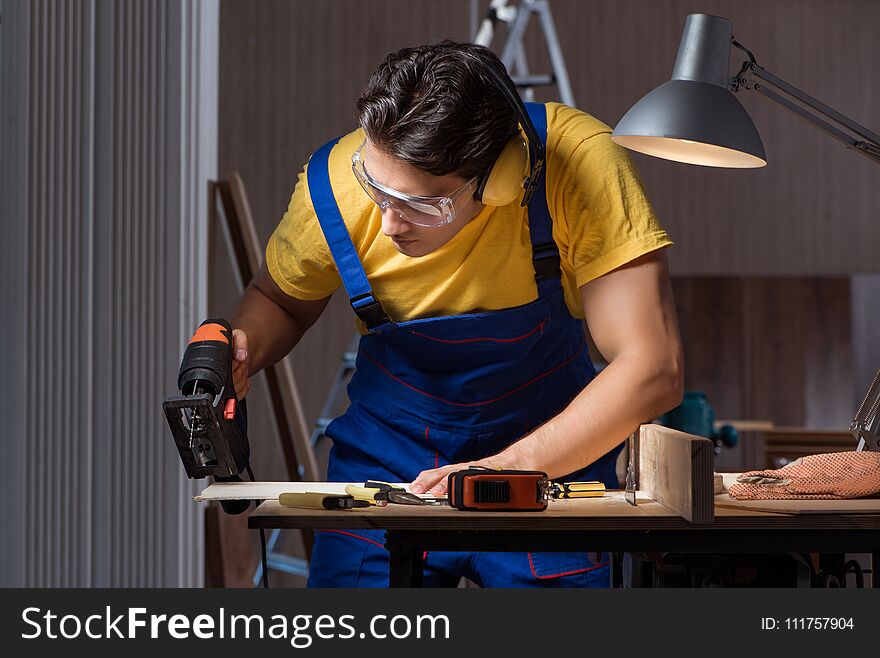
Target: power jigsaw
208,422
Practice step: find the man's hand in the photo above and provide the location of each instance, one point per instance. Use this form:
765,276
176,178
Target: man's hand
434,480
241,361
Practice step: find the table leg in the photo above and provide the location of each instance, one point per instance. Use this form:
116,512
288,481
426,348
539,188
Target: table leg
616,563
406,566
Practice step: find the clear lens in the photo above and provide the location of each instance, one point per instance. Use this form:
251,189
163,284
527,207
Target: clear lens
421,211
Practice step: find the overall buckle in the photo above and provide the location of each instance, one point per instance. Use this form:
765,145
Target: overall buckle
369,310
546,261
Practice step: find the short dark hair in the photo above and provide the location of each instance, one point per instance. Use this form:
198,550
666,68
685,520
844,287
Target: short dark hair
435,108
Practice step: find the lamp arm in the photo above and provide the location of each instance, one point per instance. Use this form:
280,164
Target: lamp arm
866,143
868,149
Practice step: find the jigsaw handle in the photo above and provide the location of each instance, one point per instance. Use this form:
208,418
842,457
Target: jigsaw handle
207,360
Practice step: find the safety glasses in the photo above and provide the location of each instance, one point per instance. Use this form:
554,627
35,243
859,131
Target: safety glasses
428,211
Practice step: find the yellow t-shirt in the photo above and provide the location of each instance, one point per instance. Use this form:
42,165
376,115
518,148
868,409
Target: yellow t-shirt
601,220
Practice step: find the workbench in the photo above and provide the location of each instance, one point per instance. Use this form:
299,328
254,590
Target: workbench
607,524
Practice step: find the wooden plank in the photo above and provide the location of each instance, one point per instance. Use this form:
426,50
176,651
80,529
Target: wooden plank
230,210
268,490
675,469
283,390
853,506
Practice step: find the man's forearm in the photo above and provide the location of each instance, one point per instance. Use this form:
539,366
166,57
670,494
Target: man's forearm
630,391
271,331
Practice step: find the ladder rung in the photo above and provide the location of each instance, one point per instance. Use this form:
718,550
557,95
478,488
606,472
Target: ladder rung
533,80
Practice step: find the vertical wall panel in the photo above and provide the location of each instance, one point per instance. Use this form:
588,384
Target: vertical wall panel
111,136
19,143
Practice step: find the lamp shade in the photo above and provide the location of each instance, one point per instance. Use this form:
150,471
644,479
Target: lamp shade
694,117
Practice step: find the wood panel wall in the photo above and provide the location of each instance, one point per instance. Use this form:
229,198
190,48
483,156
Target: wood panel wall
813,209
769,348
290,72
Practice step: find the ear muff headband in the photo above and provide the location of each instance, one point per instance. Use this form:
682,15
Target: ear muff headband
504,167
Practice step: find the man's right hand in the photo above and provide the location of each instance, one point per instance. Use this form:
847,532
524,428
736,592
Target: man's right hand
241,360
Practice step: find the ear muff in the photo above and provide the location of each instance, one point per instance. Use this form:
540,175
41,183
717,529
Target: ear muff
504,182
517,170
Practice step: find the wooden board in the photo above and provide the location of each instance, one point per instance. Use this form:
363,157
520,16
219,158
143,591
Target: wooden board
675,469
270,490
853,506
850,506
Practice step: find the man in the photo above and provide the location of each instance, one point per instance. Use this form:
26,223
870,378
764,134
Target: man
470,303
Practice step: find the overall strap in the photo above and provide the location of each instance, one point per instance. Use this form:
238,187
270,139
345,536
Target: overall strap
545,254
361,297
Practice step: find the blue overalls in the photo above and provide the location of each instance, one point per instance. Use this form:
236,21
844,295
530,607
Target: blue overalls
444,390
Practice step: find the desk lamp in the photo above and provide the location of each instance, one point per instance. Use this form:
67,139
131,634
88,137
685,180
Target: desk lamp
696,118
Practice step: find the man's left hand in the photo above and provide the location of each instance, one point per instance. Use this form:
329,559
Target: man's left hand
434,480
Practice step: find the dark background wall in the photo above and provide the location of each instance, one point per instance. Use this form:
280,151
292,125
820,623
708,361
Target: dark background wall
291,71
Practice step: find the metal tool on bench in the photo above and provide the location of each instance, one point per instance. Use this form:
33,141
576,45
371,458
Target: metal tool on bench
484,489
865,426
630,486
382,493
208,423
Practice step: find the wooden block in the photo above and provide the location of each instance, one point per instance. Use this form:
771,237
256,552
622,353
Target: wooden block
675,469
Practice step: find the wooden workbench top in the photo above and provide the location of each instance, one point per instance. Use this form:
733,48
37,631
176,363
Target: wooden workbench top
606,513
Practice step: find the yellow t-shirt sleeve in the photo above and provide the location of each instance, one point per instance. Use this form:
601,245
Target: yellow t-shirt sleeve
606,217
297,255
